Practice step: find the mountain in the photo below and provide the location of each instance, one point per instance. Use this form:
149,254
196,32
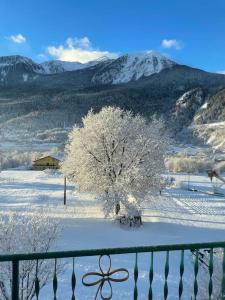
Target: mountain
38,105
17,68
131,67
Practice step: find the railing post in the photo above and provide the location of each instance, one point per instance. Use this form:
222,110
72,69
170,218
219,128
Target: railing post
15,280
223,277
136,277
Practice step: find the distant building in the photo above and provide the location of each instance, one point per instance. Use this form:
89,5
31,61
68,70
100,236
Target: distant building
47,162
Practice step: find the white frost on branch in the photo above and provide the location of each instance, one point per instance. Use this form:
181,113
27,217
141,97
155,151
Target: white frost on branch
20,233
116,155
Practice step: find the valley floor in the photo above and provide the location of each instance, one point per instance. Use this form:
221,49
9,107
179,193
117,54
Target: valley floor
179,216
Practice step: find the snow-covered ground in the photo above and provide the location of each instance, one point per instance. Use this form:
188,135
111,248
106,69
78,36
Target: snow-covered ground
179,216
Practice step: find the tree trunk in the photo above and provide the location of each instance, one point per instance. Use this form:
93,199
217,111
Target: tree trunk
64,198
117,208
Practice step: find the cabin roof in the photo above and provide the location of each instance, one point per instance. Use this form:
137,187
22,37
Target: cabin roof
48,156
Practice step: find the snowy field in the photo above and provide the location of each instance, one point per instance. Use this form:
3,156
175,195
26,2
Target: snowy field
179,216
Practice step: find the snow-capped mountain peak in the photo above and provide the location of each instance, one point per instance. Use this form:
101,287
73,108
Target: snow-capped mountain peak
57,66
133,66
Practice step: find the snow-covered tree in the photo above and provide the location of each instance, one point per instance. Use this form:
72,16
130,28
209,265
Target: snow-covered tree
117,156
1,161
20,233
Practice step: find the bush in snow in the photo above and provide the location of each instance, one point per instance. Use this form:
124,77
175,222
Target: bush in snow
219,167
15,159
116,156
1,161
188,164
19,233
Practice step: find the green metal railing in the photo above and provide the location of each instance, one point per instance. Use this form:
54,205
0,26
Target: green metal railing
15,259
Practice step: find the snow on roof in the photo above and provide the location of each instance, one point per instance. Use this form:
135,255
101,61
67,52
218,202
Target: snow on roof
46,157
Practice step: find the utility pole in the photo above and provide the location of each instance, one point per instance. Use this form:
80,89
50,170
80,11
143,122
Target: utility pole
64,202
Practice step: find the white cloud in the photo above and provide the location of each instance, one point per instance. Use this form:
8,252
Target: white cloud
18,39
171,44
221,72
83,43
78,49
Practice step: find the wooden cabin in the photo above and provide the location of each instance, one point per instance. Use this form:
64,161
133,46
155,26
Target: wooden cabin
47,162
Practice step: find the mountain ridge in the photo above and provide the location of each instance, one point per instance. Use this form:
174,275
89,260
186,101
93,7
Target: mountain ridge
126,68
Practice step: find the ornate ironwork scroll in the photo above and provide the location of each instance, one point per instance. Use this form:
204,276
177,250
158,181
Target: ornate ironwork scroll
104,277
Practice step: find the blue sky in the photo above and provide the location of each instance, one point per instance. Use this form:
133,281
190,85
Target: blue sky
191,32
